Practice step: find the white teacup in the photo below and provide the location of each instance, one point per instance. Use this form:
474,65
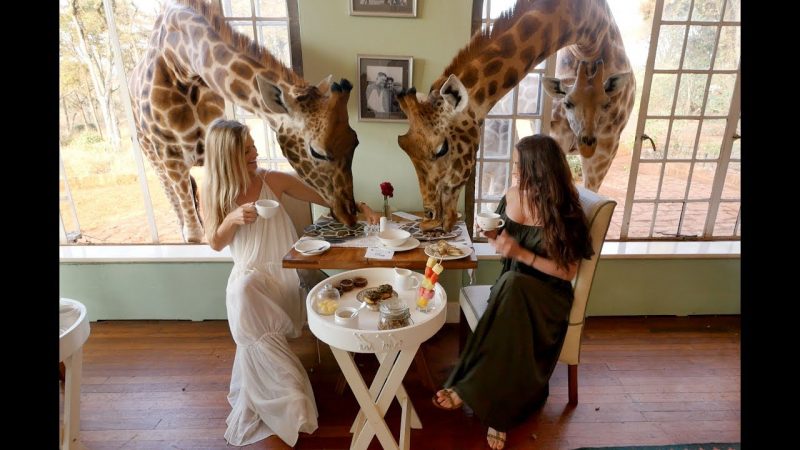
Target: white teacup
267,208
489,221
404,280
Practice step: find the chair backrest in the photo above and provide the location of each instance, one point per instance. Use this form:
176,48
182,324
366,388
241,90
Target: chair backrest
299,211
598,211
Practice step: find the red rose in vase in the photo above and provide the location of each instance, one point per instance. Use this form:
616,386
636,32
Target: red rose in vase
387,190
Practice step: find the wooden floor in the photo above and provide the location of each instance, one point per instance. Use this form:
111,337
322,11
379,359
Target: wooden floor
642,381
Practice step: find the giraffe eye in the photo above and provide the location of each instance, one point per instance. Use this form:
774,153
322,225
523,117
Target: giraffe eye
442,150
317,155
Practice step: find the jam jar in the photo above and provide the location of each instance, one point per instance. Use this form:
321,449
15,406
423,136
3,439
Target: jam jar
327,300
394,314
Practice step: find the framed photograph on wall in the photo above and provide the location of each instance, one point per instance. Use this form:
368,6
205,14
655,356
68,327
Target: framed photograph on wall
380,78
386,8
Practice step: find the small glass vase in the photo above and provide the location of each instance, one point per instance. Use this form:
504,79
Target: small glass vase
386,211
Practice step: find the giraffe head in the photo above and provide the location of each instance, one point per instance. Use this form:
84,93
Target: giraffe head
586,101
311,123
441,141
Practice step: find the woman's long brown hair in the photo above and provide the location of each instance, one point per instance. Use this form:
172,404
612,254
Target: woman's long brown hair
545,183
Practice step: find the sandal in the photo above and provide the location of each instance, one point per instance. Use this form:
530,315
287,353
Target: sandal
448,394
499,437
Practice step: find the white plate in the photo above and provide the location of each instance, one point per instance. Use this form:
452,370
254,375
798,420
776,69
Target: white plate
409,244
310,247
465,248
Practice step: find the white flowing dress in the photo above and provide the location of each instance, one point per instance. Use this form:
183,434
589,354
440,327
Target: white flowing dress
270,392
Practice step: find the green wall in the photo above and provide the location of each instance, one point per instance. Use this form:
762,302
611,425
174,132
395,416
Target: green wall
331,39
196,291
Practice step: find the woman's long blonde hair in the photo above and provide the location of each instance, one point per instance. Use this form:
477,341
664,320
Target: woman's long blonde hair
226,171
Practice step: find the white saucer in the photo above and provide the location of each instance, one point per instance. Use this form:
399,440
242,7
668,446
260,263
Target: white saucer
310,247
409,244
465,248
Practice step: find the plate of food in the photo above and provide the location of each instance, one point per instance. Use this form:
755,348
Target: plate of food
446,251
372,297
430,235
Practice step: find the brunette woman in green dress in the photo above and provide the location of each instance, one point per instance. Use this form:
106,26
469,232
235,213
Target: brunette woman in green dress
503,373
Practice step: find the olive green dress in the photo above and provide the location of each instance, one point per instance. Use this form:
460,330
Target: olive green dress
504,370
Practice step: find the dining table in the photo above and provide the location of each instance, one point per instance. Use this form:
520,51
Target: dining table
351,250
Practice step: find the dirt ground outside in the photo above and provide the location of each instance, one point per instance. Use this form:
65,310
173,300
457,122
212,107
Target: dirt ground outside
111,210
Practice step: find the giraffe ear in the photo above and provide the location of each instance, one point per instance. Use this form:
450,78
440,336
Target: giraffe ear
455,93
616,82
553,87
324,85
272,95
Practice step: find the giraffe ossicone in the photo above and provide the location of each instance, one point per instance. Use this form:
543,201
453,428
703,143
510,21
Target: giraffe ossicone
195,62
444,125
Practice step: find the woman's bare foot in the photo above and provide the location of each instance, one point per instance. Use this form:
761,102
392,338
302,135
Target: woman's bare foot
447,399
496,439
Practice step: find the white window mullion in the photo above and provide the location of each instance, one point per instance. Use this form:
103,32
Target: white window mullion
126,103
724,159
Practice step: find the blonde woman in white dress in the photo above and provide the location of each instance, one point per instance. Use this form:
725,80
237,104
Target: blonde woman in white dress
270,393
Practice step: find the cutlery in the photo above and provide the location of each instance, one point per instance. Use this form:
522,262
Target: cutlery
314,249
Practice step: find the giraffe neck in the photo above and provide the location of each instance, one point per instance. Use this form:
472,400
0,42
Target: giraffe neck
199,44
492,64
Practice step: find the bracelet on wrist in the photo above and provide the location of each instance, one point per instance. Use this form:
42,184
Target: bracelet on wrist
533,259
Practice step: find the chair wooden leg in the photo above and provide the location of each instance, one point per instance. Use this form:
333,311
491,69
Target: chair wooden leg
572,375
341,383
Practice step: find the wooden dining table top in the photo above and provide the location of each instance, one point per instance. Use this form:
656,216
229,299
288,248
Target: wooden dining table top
354,258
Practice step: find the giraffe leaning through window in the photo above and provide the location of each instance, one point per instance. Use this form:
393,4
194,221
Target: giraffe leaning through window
444,125
195,62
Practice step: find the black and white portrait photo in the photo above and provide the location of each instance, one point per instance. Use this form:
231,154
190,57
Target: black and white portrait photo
381,78
386,8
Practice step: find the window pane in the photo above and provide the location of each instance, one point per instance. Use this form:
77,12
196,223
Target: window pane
661,91
505,105
676,176
657,130
647,181
676,10
732,190
702,181
498,6
699,47
275,36
726,219
615,227
720,92
236,8
733,10
527,127
244,27
690,94
670,42
682,137
667,218
497,138
529,94
641,218
711,139
494,179
271,8
729,48
707,10
694,219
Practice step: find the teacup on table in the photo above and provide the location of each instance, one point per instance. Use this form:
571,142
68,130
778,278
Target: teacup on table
489,221
267,208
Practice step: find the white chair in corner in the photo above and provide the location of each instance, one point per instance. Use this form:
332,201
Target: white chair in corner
73,331
474,299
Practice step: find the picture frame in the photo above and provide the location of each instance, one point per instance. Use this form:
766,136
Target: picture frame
380,79
384,8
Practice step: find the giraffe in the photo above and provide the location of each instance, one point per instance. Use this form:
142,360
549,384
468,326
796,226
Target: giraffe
444,125
196,61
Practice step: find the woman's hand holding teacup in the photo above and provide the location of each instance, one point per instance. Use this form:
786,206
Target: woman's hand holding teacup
244,214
